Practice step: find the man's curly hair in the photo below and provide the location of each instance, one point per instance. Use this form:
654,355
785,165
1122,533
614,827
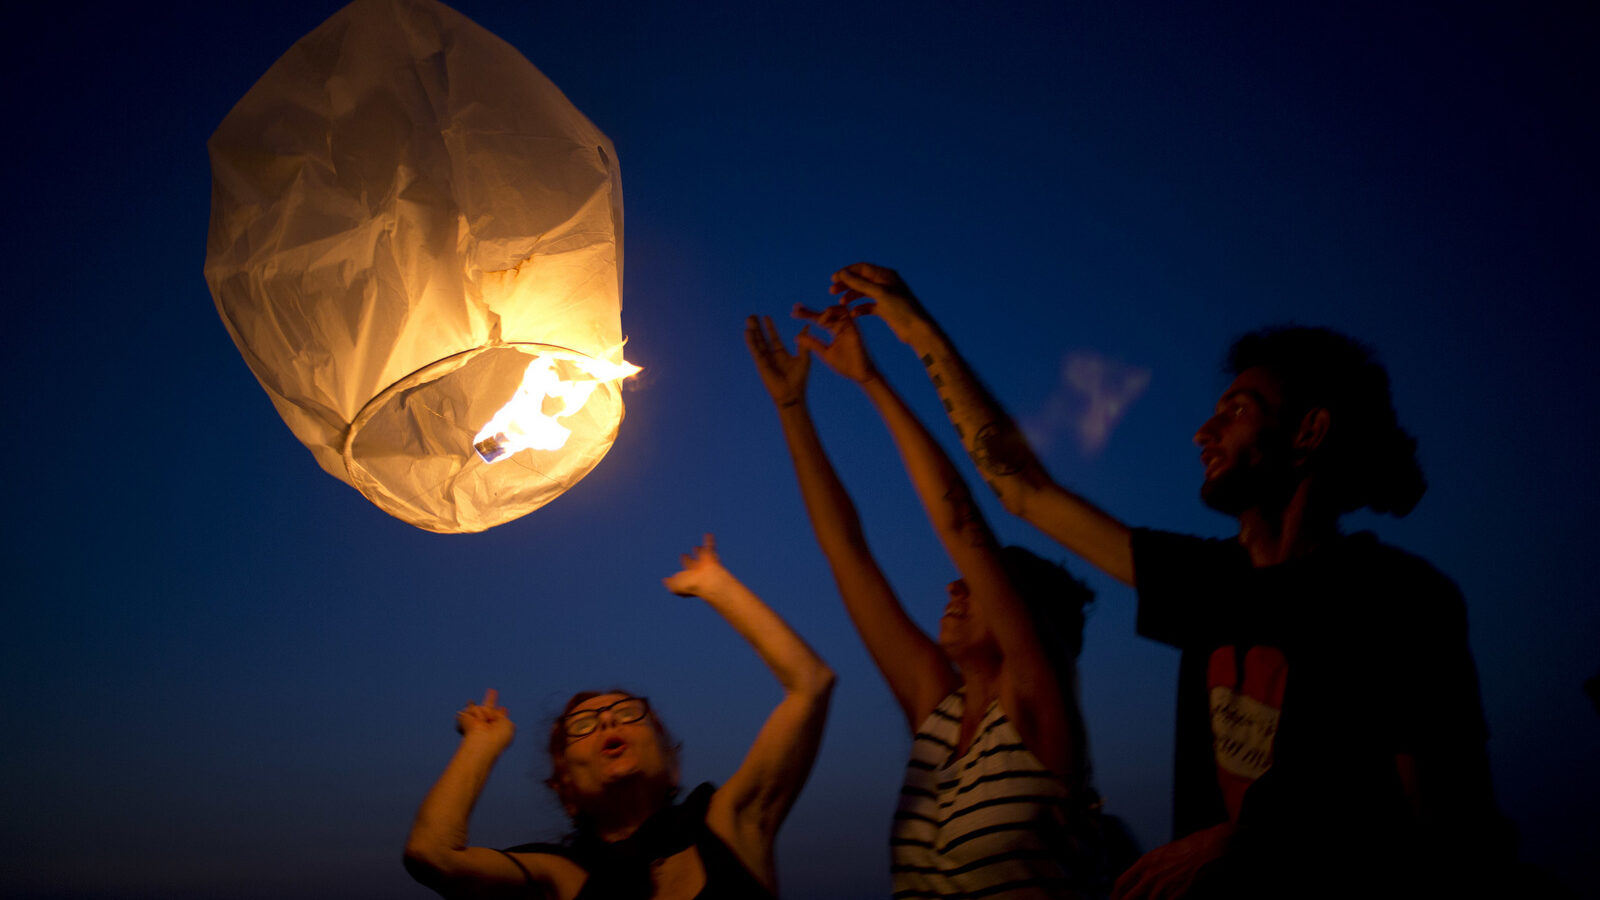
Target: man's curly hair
1367,459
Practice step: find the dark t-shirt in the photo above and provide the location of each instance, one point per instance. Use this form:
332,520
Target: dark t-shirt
1300,683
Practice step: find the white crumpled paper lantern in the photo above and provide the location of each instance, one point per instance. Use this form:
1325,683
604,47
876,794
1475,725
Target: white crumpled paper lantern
405,213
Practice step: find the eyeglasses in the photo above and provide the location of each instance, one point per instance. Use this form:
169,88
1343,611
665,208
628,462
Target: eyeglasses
624,712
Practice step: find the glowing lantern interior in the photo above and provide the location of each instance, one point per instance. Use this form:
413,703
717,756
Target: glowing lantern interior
551,389
416,244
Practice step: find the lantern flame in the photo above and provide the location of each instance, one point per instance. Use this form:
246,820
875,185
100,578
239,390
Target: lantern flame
528,420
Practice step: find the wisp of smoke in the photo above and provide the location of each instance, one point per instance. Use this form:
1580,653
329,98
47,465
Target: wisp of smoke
1093,394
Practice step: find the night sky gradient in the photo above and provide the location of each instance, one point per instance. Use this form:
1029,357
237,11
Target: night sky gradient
225,674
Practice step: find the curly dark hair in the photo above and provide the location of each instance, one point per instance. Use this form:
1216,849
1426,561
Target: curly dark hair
1055,599
1367,459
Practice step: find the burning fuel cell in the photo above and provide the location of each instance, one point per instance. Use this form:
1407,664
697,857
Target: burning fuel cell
528,421
493,448
416,245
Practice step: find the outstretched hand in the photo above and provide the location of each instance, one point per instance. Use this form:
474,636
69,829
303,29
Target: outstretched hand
783,373
1169,871
486,721
702,572
846,354
889,297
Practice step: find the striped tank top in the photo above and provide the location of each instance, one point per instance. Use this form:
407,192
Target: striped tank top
989,823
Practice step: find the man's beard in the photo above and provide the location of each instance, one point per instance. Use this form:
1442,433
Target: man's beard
1227,494
1260,483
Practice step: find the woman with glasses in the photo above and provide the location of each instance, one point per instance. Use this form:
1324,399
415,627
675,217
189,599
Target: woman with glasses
996,800
615,769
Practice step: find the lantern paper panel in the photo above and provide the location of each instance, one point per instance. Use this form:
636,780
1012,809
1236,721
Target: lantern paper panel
405,213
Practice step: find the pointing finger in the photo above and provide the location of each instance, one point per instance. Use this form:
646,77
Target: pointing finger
811,343
803,312
869,272
772,335
753,338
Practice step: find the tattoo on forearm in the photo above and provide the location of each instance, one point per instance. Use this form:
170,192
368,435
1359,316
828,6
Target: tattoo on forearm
968,520
998,449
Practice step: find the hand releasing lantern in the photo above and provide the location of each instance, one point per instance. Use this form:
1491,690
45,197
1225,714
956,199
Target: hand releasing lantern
416,244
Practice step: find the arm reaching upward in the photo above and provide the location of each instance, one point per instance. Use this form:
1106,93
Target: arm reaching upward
747,810
436,853
995,443
1028,686
916,670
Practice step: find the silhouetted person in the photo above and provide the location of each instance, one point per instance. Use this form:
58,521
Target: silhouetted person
996,801
615,770
1330,736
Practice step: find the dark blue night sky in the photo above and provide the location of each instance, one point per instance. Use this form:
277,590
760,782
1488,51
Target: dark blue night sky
226,674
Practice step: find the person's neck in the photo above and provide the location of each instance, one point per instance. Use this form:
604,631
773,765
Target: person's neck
980,681
626,806
1295,528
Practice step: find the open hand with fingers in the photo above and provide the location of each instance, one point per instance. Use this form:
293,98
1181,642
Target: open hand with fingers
846,354
702,573
888,297
783,373
486,721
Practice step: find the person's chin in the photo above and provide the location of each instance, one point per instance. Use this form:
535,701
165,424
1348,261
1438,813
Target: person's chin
625,767
1218,494
958,646
614,767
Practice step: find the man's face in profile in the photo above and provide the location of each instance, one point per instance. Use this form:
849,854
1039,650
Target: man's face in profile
1245,445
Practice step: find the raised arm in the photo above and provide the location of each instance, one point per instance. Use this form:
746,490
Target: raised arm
1029,689
437,853
747,810
995,443
915,668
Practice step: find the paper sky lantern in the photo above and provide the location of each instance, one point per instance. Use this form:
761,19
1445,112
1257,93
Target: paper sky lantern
411,228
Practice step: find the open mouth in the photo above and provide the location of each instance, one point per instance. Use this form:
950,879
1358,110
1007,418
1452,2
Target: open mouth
613,746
